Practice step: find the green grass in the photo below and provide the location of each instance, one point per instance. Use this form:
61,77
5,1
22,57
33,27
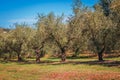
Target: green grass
54,70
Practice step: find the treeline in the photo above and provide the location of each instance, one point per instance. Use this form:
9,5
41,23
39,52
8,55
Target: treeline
96,30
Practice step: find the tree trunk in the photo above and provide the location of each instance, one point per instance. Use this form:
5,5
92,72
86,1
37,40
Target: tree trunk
76,53
100,54
0,55
63,57
37,51
37,58
19,58
10,56
19,52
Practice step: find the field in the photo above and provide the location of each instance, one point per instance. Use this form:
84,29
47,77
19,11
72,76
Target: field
52,69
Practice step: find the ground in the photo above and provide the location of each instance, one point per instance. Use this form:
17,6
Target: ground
53,69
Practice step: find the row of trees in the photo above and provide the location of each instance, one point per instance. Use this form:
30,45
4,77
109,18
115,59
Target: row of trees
95,30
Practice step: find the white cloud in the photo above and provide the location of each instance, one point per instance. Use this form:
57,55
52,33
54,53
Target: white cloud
26,20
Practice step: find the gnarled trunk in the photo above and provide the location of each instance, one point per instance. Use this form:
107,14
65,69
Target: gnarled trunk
19,57
100,54
39,54
37,51
18,50
76,52
63,55
37,58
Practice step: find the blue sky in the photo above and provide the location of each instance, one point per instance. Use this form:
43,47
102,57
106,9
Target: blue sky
12,11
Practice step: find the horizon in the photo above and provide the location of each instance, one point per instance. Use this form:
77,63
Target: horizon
25,11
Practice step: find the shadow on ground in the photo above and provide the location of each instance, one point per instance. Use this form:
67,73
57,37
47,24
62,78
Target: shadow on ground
107,63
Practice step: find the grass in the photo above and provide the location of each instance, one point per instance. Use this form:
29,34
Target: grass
52,69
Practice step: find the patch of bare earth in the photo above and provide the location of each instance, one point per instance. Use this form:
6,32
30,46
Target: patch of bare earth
74,75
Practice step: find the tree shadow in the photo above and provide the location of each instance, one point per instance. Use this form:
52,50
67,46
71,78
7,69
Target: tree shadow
112,56
42,62
81,57
75,57
106,63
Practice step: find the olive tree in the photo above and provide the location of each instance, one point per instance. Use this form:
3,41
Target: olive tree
76,26
99,29
20,37
5,44
53,30
40,37
58,33
112,10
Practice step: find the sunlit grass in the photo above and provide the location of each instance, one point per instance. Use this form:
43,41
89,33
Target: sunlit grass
47,71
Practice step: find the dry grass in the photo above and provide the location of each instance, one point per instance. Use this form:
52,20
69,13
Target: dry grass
75,75
52,69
